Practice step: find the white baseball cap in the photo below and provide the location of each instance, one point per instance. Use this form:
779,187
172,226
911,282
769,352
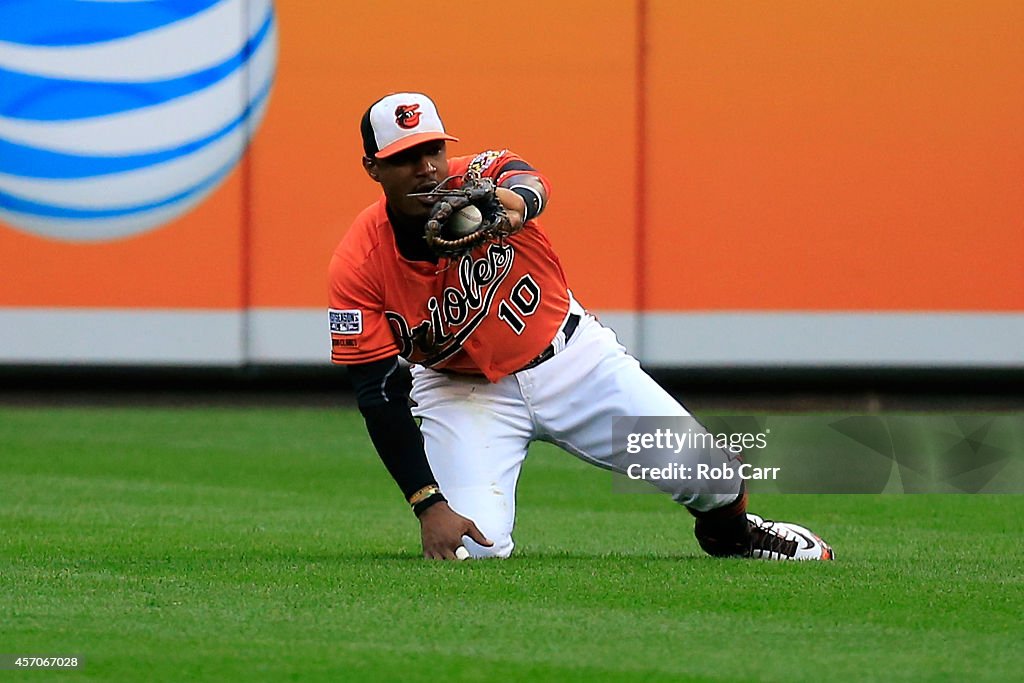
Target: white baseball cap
399,121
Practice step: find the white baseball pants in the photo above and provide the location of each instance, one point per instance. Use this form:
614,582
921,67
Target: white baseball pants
477,433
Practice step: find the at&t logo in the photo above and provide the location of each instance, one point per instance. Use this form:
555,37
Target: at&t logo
119,116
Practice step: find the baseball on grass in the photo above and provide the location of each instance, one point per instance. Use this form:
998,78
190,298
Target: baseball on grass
461,553
464,222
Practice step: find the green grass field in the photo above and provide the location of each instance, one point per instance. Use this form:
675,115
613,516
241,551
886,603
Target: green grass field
264,544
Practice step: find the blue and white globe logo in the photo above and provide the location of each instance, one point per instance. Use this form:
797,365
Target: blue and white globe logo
117,116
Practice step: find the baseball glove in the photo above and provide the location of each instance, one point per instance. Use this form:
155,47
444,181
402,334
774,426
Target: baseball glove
464,217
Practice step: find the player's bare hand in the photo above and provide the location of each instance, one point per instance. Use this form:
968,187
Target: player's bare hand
442,529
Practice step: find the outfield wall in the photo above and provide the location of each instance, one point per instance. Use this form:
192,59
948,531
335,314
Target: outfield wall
735,184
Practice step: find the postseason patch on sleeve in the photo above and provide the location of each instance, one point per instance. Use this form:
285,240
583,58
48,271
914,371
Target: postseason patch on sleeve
483,161
345,322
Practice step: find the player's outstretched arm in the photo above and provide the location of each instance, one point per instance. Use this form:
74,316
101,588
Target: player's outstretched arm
383,399
515,207
521,190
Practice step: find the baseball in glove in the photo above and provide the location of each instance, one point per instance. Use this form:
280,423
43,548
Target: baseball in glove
464,216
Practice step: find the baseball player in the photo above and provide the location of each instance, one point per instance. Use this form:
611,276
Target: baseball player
501,354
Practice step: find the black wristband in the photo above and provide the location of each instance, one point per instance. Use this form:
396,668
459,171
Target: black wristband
421,507
534,204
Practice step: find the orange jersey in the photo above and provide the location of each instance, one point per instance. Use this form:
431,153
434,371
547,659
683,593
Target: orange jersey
490,312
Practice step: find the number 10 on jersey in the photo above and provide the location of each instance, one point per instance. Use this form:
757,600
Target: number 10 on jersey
522,302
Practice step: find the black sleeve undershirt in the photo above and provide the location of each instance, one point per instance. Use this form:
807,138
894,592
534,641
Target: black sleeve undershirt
382,393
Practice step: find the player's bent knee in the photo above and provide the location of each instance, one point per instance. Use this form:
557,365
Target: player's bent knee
501,549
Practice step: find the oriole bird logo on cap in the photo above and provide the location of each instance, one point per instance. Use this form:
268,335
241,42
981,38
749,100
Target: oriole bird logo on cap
407,116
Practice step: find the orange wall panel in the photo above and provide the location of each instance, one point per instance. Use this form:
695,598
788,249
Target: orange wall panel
836,156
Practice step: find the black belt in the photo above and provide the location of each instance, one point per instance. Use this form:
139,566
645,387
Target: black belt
567,331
